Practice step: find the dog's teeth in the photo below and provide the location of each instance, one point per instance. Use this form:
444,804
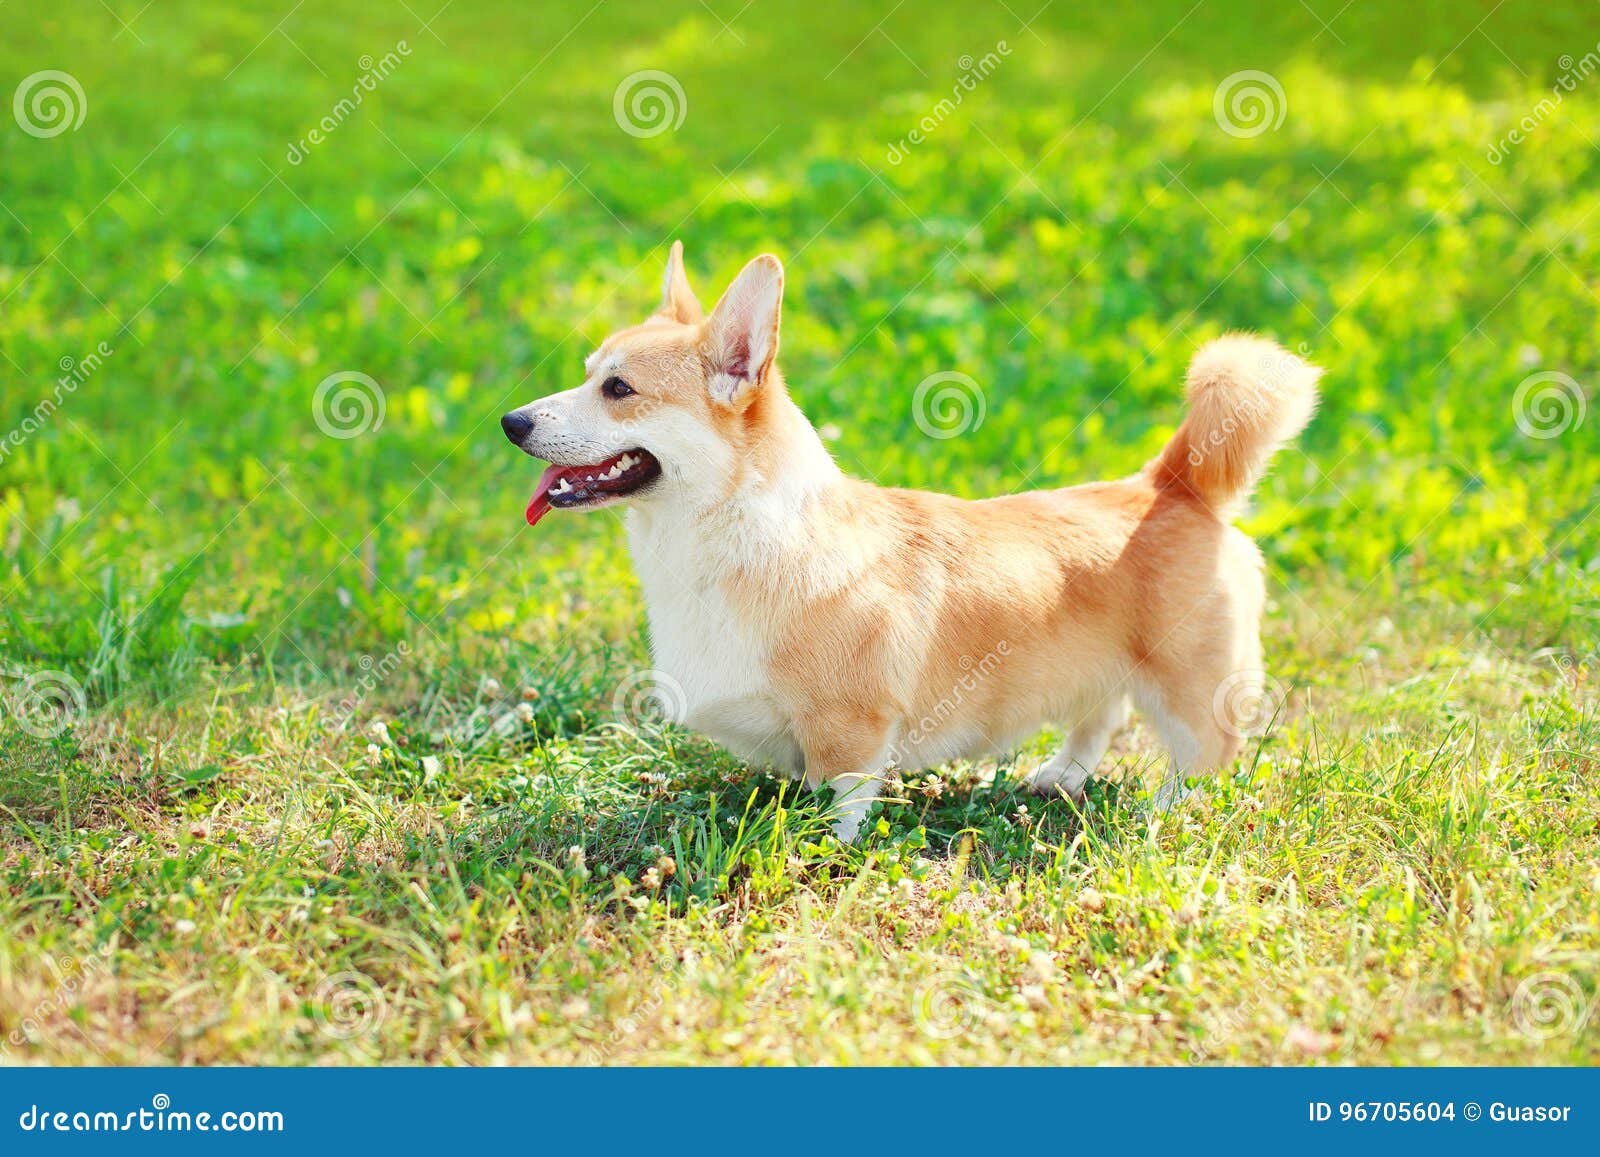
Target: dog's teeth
627,461
611,473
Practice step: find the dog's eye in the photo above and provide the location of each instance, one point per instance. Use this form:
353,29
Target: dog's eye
616,388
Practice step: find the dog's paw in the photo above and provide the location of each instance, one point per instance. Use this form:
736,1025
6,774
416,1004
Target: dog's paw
847,828
1051,783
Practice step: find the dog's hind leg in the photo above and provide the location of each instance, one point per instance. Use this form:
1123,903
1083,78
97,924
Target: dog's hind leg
1069,768
1192,730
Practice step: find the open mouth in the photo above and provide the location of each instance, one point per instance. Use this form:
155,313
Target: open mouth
569,487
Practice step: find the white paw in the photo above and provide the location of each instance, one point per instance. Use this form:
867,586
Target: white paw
1050,781
848,827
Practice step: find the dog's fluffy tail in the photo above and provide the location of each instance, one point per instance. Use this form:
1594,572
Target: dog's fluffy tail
1247,396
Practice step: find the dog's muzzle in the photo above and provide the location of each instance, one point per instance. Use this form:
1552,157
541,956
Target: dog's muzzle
517,426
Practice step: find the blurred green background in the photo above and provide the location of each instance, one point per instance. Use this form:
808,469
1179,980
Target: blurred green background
1066,236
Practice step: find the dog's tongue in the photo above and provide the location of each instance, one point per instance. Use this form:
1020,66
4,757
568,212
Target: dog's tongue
540,505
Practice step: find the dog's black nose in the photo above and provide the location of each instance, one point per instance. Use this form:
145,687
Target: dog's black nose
517,426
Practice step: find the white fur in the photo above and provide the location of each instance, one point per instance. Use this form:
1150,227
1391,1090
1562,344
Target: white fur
683,547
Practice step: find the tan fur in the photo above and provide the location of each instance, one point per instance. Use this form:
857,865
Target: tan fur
1246,398
897,626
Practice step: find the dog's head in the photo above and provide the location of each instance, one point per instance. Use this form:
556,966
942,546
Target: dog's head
667,409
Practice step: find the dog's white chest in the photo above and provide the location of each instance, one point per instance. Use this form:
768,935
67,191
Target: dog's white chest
711,669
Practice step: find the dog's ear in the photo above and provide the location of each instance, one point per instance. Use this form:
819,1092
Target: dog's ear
741,340
677,300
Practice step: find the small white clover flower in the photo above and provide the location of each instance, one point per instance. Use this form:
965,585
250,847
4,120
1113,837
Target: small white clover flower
374,754
525,712
491,687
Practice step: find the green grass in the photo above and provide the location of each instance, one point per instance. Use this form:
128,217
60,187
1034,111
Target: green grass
212,864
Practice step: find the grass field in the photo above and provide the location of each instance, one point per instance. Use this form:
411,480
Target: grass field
334,720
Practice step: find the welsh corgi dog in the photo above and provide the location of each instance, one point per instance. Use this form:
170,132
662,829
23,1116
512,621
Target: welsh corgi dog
831,629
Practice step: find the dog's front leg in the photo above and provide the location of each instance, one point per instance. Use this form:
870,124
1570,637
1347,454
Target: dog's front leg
850,751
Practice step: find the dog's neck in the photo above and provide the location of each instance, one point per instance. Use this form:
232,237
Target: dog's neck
767,536
785,472
789,469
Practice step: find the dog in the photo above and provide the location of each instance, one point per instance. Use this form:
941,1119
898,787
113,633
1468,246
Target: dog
831,628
